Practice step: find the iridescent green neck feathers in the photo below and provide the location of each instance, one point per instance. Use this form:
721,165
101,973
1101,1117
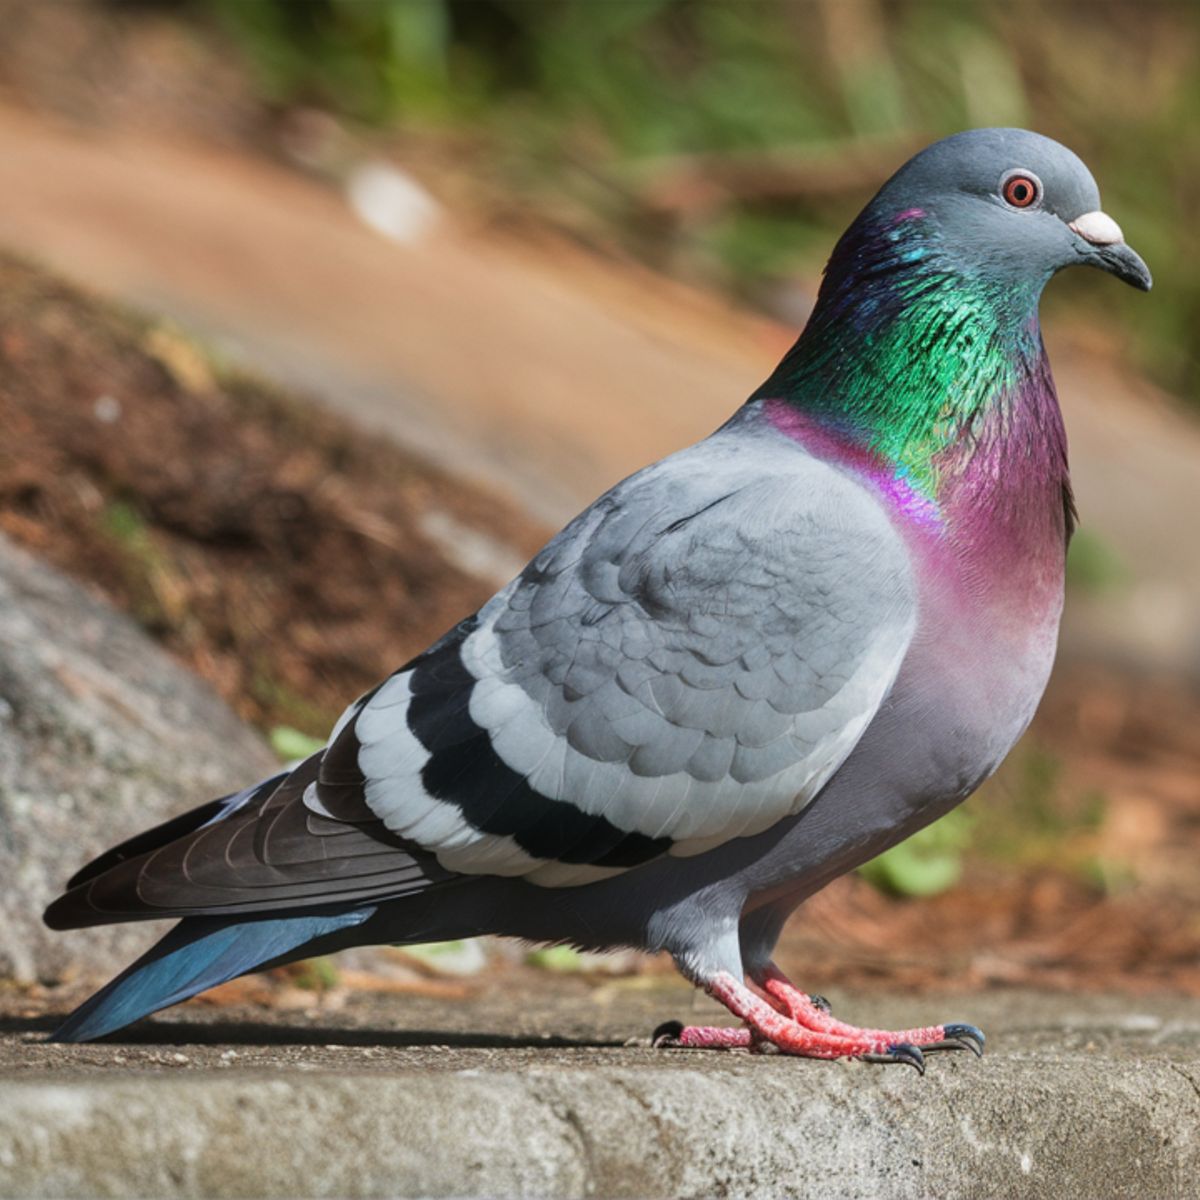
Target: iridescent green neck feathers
921,364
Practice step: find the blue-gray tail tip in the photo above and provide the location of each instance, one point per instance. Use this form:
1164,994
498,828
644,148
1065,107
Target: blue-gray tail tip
199,953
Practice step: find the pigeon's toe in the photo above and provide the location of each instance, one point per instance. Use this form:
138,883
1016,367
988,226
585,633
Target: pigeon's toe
674,1034
667,1034
901,1052
959,1036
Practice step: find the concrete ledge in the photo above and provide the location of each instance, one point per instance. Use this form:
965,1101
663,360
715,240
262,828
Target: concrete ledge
1075,1111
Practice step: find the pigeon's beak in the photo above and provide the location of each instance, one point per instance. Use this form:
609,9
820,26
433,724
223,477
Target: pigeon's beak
1105,248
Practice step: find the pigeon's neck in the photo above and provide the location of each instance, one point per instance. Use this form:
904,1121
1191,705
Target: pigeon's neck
937,377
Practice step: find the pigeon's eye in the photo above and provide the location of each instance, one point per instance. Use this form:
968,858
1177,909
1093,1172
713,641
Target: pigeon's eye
1021,189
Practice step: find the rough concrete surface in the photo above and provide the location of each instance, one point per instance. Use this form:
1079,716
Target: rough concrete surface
101,735
406,1096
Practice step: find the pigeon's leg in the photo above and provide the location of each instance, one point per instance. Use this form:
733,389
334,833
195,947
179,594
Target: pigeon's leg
813,1013
702,1037
767,1026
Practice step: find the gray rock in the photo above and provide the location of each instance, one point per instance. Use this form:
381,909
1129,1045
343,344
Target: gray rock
1076,1097
101,734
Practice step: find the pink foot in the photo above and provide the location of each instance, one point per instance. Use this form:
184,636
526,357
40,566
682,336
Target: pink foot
802,1008
795,1024
702,1037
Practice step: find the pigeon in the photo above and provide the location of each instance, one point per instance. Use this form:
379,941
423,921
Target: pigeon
740,673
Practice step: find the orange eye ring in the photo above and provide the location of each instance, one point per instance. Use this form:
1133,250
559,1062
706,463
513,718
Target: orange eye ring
1021,189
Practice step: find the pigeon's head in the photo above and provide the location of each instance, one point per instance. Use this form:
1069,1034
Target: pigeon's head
1009,204
927,319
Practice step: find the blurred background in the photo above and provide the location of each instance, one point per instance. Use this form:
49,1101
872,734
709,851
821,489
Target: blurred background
317,316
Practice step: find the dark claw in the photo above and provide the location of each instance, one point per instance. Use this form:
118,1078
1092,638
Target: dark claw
821,1003
952,1044
667,1034
901,1052
967,1032
962,1037
906,1053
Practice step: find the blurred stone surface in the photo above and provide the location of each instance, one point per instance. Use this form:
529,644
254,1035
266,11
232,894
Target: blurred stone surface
101,734
536,1089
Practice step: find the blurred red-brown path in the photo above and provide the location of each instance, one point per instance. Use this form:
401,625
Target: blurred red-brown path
529,366
539,367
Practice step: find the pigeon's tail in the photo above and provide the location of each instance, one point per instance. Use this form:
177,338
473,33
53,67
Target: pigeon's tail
199,953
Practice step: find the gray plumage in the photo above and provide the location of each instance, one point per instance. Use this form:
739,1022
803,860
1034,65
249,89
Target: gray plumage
690,660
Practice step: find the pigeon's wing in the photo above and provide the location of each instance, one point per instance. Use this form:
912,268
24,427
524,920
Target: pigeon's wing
261,850
687,662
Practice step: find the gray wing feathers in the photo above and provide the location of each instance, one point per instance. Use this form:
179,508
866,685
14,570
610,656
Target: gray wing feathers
693,656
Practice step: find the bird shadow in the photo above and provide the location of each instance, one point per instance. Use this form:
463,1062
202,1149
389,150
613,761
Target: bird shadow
258,1033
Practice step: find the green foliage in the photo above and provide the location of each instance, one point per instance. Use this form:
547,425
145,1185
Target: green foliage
373,60
586,100
1039,814
567,960
1108,875
146,569
303,718
761,247
1030,817
463,957
290,744
125,524
1092,564
315,974
1020,814
556,958
1027,817
929,862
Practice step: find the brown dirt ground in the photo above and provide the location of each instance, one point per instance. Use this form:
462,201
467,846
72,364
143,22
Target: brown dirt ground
278,552
274,550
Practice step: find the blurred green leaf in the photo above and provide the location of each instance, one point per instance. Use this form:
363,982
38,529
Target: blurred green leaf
315,974
556,958
463,957
1092,564
124,522
1109,875
929,862
290,744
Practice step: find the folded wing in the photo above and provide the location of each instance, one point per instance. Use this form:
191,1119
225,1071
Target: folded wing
688,662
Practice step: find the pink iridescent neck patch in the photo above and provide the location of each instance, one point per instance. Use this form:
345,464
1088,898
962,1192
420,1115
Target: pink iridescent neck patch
831,446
